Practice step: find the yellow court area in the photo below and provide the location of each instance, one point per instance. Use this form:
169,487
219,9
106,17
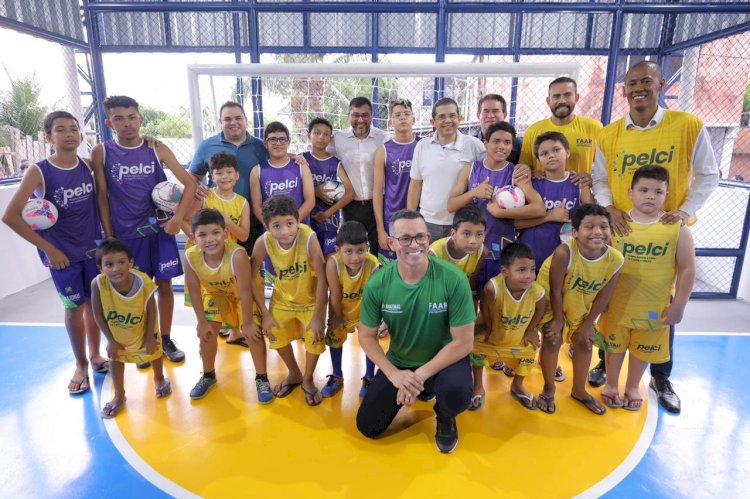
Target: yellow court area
228,445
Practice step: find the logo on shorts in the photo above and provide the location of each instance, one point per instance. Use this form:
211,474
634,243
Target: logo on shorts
526,361
168,265
647,348
123,320
63,196
438,307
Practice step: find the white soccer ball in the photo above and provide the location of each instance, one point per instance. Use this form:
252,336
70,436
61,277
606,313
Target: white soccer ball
39,214
336,189
166,196
509,197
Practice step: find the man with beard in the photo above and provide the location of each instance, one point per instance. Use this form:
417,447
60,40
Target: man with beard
580,131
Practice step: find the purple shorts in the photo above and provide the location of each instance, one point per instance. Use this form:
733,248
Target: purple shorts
326,238
156,255
490,268
73,283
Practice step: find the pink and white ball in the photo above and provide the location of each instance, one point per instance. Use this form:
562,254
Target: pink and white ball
166,196
39,214
510,196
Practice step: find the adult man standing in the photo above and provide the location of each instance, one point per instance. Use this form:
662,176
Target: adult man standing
428,307
493,108
233,139
580,131
355,147
436,164
650,134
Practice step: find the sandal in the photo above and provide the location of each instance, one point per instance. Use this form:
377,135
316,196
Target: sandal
508,371
527,401
82,384
632,404
310,397
109,411
476,402
240,342
550,406
283,390
591,404
164,390
613,402
101,368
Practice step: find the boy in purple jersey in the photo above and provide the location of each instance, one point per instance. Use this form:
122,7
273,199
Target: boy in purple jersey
478,183
391,174
67,247
324,167
132,170
560,195
281,175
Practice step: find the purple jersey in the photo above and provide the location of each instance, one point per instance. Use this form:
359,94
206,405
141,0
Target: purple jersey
73,193
398,158
322,171
500,232
544,238
132,173
286,180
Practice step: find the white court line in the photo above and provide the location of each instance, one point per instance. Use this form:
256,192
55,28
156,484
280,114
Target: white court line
132,457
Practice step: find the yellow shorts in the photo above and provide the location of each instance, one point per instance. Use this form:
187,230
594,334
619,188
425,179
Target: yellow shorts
222,309
293,326
520,358
646,346
135,351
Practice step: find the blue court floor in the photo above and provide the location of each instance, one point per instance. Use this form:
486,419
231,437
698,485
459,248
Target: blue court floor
56,445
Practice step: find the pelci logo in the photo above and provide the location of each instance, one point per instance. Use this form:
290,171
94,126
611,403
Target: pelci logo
655,157
123,320
641,249
514,321
294,271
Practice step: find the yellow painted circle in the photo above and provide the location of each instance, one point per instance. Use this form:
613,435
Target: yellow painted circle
228,445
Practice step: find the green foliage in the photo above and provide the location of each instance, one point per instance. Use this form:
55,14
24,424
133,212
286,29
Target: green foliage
745,121
158,123
20,106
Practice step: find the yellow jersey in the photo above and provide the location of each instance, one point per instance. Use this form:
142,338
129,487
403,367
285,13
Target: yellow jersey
669,144
294,285
583,280
510,317
581,133
126,317
352,286
647,278
468,263
230,207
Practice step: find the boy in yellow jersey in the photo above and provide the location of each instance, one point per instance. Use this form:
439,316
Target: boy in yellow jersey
512,305
348,270
657,255
298,303
125,310
218,270
225,174
579,278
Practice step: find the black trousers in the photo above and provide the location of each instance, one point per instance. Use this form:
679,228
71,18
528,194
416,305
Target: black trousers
361,211
451,386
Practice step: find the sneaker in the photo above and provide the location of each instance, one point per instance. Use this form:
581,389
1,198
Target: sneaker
172,352
265,394
426,396
446,436
365,385
143,365
559,374
598,375
201,387
668,399
332,386
498,366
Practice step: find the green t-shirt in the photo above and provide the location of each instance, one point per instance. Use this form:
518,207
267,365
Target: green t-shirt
419,315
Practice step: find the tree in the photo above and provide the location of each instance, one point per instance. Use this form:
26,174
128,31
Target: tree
20,106
158,123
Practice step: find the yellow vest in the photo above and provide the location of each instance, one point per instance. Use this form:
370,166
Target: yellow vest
352,286
510,317
647,278
468,264
231,208
669,144
294,285
583,281
126,317
581,133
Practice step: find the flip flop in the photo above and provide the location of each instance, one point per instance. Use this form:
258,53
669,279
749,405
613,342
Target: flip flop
591,404
508,371
550,401
240,342
310,397
627,404
283,390
101,368
112,410
83,385
527,401
476,402
164,390
615,402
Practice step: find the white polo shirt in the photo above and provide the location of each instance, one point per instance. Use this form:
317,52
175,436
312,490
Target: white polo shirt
437,166
358,158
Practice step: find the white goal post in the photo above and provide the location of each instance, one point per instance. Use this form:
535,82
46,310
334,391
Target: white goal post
360,70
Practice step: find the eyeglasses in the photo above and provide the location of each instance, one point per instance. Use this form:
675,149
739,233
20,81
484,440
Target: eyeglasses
446,117
357,116
405,115
277,140
406,240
